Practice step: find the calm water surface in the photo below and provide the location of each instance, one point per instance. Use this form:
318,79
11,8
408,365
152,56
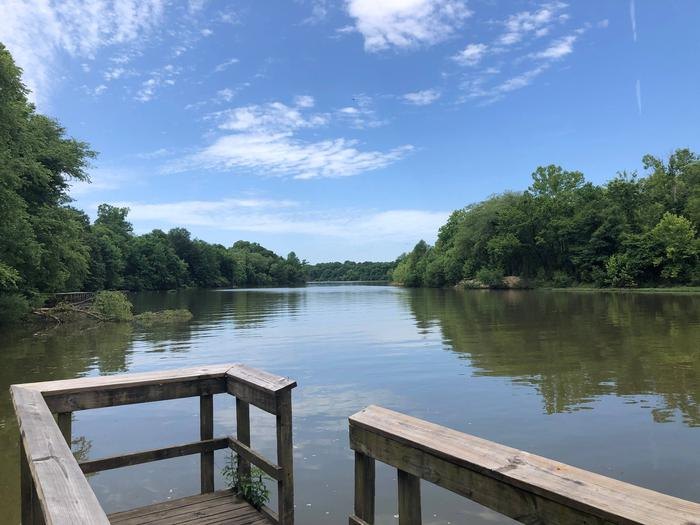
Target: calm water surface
605,381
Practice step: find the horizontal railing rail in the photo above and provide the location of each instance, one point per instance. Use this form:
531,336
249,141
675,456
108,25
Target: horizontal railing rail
53,484
528,488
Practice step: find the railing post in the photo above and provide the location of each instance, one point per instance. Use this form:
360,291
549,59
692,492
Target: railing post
364,487
243,435
409,499
206,431
65,425
26,488
285,459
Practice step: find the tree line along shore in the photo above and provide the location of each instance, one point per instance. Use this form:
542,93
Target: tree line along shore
631,231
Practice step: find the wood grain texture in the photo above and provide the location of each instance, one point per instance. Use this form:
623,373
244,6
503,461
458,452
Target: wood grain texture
212,508
157,454
285,458
63,493
409,499
248,455
206,432
524,486
243,437
364,487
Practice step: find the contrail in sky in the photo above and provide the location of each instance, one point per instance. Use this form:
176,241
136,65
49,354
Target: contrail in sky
633,18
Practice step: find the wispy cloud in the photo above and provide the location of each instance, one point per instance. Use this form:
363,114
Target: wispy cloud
264,139
164,76
524,23
558,48
422,98
361,114
633,20
225,65
291,217
38,32
471,55
406,24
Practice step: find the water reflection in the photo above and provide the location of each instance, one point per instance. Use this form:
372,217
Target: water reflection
574,347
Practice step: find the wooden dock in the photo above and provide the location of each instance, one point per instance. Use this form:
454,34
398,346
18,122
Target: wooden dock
528,488
54,488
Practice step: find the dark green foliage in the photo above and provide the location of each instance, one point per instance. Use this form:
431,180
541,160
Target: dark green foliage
563,231
251,487
350,271
48,246
112,306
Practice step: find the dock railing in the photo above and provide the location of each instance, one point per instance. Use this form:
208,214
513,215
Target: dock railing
54,489
528,488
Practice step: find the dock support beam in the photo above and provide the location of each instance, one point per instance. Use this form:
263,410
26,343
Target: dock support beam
206,431
285,459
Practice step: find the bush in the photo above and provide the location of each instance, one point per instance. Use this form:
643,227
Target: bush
148,319
491,277
619,272
112,306
13,306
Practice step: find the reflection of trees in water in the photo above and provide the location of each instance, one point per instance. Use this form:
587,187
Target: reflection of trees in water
251,309
575,346
52,352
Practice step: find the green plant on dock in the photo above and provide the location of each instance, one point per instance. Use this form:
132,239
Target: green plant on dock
250,486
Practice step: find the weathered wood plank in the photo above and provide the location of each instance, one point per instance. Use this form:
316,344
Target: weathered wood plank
285,458
63,492
129,395
212,508
206,432
146,456
526,487
251,456
409,499
223,508
243,436
364,487
65,425
262,399
260,378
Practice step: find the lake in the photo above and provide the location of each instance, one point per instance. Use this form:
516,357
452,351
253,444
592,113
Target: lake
609,382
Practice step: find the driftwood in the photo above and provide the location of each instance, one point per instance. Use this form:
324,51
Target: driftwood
54,312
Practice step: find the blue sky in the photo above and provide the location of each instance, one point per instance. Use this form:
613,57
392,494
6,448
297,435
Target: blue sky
349,129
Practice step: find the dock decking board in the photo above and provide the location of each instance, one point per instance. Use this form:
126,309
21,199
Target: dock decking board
212,508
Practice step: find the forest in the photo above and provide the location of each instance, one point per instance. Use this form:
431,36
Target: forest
632,231
350,271
49,246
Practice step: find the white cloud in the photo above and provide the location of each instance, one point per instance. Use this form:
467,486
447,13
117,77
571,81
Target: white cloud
525,22
164,76
290,217
361,115
476,89
558,49
283,154
422,98
304,101
406,23
633,20
264,140
471,55
225,64
39,33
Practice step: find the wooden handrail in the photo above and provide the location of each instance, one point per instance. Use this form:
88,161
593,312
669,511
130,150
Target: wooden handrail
523,486
54,488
